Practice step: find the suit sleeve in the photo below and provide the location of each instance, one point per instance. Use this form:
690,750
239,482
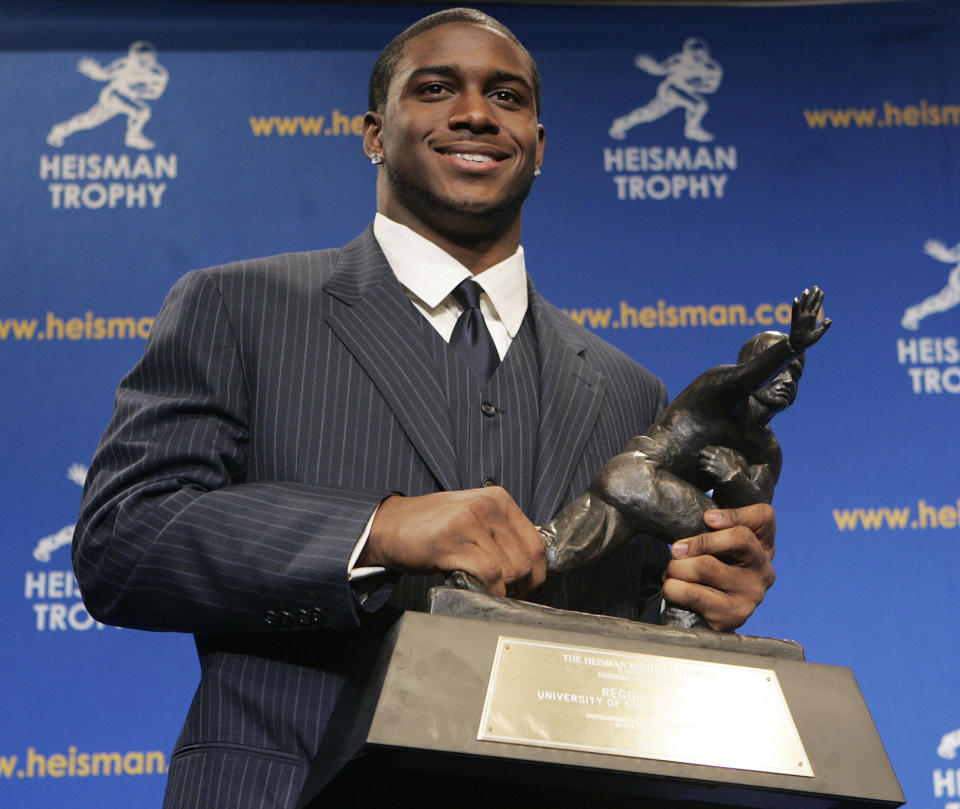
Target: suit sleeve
170,534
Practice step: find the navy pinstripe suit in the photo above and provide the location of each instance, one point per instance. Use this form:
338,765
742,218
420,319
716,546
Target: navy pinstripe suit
277,402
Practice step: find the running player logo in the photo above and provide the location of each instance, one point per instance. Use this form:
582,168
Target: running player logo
946,298
688,76
46,546
132,80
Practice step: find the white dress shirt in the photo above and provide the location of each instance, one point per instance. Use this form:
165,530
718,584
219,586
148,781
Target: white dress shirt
429,275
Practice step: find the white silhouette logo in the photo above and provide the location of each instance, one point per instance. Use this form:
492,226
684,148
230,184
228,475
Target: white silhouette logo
131,80
946,298
690,75
949,744
46,546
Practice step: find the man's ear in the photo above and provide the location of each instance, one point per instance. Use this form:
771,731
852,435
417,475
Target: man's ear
372,133
541,143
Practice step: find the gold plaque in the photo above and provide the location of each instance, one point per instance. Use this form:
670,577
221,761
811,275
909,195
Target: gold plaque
641,705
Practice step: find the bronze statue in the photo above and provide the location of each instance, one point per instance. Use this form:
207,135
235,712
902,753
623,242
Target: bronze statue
713,436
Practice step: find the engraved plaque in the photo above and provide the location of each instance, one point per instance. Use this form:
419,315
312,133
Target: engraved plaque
641,705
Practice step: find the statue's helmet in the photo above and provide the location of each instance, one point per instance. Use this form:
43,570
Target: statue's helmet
758,344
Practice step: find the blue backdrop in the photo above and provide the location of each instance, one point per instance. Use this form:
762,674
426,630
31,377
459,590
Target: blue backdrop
686,197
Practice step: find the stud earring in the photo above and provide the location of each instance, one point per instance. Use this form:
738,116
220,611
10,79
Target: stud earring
376,158
536,172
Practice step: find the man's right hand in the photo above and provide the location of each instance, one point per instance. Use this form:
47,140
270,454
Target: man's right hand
480,531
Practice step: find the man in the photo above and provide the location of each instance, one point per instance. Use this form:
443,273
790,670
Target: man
300,432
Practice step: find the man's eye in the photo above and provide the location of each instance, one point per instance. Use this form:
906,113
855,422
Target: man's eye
433,89
507,95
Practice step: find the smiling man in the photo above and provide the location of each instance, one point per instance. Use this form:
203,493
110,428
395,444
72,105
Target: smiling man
457,128
312,439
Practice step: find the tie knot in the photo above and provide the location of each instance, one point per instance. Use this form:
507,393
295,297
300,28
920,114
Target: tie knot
467,294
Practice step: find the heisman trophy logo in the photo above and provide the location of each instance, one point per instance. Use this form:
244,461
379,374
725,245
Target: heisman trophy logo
132,80
946,298
666,170
933,361
688,76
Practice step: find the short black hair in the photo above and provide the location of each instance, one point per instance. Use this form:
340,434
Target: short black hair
386,64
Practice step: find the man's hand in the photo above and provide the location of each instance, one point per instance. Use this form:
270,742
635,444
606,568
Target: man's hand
480,531
723,575
804,331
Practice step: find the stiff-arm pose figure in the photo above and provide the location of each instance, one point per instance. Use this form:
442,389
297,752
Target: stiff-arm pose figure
714,435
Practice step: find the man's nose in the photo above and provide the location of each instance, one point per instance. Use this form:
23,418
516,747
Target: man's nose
472,111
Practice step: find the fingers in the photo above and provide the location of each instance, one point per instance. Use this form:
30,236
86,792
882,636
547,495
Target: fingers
504,533
724,574
722,611
480,531
738,543
809,301
760,518
806,308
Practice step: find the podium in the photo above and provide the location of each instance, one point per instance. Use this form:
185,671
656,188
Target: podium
525,706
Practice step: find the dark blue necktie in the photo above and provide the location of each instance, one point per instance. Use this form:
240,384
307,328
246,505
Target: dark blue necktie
470,334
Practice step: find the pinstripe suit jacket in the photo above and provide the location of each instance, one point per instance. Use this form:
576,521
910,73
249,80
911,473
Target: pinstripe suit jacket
277,402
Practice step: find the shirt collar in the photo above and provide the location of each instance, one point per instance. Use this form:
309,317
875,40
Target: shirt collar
431,274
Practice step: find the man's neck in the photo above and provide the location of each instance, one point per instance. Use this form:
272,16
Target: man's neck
475,251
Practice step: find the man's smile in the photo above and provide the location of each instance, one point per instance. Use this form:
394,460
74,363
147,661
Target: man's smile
472,156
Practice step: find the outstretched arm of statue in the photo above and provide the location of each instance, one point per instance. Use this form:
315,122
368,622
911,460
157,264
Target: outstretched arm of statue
753,374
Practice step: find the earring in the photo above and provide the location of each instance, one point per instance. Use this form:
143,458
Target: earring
536,172
376,158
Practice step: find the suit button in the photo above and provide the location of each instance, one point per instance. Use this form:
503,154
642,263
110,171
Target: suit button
303,617
488,410
318,616
287,618
489,482
271,619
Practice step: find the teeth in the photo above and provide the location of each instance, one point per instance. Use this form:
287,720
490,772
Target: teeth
474,158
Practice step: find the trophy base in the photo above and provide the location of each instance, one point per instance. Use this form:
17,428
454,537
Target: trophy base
427,724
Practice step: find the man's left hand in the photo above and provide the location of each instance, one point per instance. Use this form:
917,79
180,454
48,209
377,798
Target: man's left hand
724,574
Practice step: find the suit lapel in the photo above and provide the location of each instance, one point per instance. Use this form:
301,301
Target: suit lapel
380,327
571,393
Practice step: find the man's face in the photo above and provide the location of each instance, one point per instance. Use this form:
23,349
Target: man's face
779,393
459,133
